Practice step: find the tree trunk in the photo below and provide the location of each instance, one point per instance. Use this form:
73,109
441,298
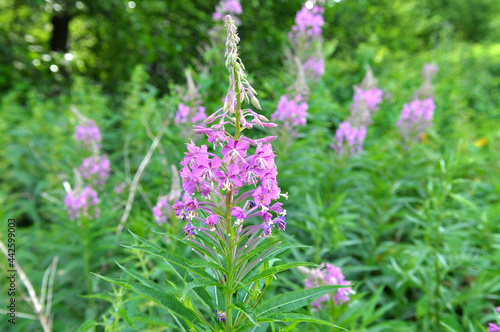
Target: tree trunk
60,32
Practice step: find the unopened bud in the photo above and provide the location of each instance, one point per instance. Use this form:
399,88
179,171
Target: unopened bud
210,119
255,103
269,125
263,118
201,130
268,139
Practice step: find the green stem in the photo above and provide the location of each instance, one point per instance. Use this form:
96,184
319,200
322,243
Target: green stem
238,104
229,261
86,264
229,227
438,277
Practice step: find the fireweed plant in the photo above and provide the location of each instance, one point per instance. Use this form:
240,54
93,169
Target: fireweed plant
291,111
230,220
306,41
82,201
328,274
351,134
190,111
416,116
305,59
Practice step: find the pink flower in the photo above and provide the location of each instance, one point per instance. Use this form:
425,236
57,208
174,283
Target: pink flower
88,133
211,221
330,275
235,150
80,204
349,138
493,328
416,118
96,169
291,112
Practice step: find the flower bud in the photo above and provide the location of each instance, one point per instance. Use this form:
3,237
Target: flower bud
211,118
269,125
268,139
201,130
255,103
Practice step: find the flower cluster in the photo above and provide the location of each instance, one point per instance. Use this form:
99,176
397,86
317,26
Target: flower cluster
291,112
306,41
217,177
95,169
309,21
227,7
366,100
315,67
240,182
88,133
190,111
372,98
328,275
120,188
163,208
82,203
415,118
184,114
348,138
493,327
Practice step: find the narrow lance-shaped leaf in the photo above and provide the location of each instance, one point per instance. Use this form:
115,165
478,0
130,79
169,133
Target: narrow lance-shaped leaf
293,300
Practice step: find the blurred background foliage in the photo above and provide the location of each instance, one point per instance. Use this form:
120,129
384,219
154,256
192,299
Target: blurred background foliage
389,217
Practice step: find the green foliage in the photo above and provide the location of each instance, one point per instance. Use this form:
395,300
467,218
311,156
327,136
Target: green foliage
416,230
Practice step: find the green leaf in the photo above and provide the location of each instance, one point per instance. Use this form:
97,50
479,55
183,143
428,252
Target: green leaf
174,259
141,278
293,300
275,251
124,315
248,311
152,321
276,269
146,242
165,299
291,317
87,326
199,283
104,297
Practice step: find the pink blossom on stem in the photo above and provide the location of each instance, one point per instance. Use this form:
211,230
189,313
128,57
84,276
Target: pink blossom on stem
328,274
348,139
95,169
82,203
493,328
291,112
416,118
88,133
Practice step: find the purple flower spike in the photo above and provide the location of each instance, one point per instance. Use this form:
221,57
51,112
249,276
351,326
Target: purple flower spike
348,139
416,118
291,112
96,169
82,203
89,134
330,275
